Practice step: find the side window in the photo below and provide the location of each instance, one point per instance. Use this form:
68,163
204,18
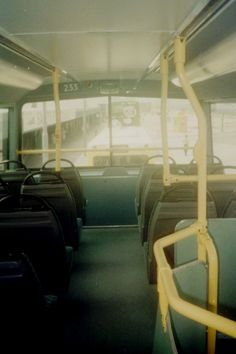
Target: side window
223,117
3,133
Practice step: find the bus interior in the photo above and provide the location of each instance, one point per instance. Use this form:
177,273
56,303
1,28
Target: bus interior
117,176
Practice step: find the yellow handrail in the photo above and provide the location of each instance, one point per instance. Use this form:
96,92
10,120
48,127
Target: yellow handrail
164,95
201,146
79,149
168,290
168,294
55,76
194,178
206,249
205,244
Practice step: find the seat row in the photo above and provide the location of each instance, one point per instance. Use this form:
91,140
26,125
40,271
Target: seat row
14,172
41,214
161,208
35,270
192,278
29,226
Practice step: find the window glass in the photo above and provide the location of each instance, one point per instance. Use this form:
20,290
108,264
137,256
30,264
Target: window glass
81,121
224,131
136,131
182,129
108,131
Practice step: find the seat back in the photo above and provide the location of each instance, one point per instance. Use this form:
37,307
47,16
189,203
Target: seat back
184,335
222,232
176,203
145,172
13,177
214,165
36,232
3,188
22,305
20,288
223,191
72,177
53,188
151,194
229,210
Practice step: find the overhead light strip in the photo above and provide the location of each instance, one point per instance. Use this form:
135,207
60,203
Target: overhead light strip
16,49
207,14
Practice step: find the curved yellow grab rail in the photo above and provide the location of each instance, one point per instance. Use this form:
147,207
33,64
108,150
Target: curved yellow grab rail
168,292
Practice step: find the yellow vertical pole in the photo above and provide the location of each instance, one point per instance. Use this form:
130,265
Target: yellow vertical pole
201,159
212,289
164,95
55,77
201,146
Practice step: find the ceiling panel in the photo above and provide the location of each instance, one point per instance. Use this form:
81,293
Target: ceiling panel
19,16
104,38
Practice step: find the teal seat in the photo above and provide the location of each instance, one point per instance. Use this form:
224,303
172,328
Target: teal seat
184,335
175,204
223,234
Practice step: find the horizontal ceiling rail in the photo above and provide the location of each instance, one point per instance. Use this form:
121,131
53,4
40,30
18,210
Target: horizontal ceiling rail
22,52
205,16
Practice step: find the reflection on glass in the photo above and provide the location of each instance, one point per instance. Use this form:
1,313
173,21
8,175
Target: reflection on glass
224,131
127,133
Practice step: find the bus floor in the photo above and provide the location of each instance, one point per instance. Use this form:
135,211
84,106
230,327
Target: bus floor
110,306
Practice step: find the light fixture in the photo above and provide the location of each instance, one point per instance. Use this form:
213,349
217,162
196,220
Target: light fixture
12,75
216,61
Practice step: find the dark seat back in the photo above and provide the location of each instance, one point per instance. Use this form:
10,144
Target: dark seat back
13,177
229,210
72,177
20,288
151,193
176,203
222,190
144,174
3,188
25,311
214,164
36,232
53,188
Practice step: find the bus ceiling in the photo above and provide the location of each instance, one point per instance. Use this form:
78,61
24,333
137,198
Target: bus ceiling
86,44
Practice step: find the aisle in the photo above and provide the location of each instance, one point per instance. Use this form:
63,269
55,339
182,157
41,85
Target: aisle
110,305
